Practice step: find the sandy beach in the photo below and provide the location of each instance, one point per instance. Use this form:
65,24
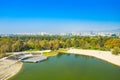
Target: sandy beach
103,55
9,68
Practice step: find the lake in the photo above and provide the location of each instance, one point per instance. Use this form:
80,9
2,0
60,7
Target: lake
69,67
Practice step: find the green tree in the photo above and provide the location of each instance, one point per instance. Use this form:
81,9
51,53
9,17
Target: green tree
116,51
17,46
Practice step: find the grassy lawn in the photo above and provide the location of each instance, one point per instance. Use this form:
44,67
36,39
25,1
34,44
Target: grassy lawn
33,50
55,52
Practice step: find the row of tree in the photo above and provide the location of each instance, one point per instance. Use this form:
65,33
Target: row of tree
21,43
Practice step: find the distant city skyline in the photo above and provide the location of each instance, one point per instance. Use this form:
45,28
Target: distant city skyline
56,16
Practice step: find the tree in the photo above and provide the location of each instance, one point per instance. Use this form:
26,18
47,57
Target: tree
111,43
17,46
68,43
55,45
3,50
30,44
116,51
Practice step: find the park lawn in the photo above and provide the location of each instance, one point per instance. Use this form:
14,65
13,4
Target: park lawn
55,52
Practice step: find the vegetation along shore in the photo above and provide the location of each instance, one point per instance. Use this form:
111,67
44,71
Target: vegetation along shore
23,43
105,48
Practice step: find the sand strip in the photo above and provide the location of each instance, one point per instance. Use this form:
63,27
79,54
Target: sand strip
9,68
103,55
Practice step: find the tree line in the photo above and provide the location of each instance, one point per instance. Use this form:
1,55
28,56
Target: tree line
22,43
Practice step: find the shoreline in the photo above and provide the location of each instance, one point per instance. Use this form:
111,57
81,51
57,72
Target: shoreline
10,70
16,72
103,55
14,69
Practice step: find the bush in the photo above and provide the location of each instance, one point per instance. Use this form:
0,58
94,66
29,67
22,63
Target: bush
116,51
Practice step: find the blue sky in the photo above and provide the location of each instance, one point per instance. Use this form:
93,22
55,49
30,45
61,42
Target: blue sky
58,15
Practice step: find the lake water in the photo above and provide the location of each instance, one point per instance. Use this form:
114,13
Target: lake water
69,67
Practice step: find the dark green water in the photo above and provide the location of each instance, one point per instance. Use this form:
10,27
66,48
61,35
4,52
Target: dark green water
69,67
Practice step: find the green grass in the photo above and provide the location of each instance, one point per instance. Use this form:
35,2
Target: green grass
33,50
55,52
52,53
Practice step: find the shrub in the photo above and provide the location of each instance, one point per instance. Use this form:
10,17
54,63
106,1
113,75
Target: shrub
116,51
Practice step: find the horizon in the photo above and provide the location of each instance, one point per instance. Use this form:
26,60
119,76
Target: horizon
59,16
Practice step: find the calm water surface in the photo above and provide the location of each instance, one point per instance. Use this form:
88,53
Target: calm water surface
69,67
